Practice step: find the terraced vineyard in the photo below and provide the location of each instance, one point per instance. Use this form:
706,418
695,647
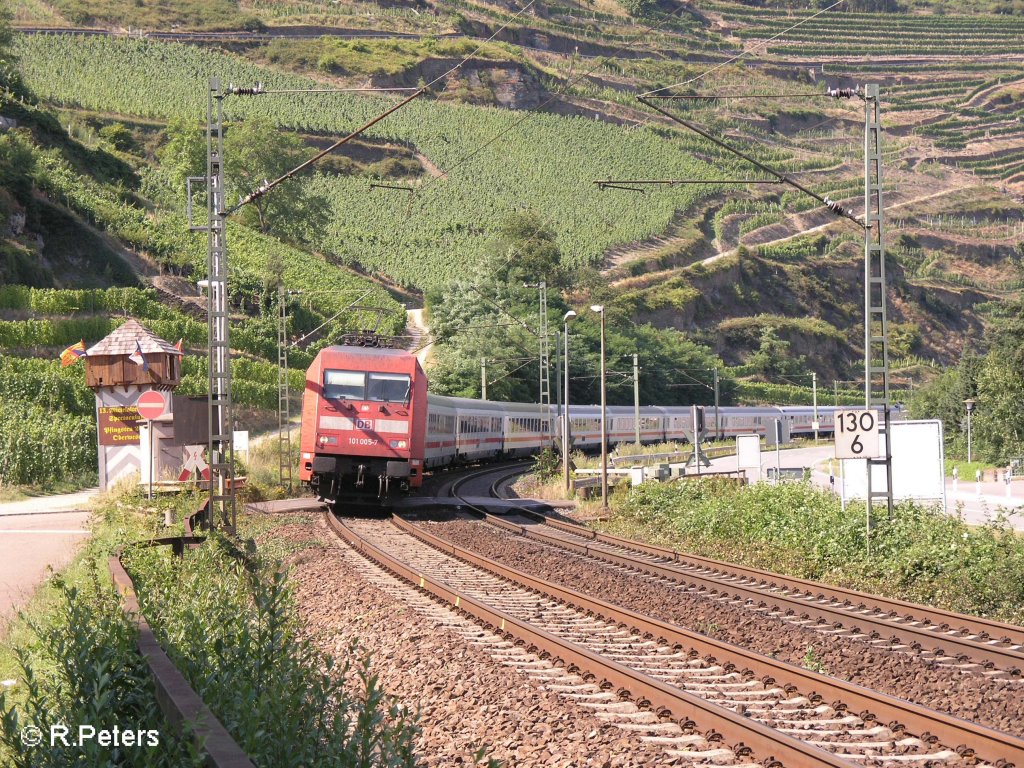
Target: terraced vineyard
862,34
411,240
948,128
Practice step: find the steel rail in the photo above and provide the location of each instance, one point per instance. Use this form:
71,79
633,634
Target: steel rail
503,472
807,598
968,739
1007,659
911,612
747,736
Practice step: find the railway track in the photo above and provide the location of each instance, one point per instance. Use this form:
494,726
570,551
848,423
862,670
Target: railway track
717,702
968,643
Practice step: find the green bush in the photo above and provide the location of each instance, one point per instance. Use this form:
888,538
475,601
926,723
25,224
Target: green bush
92,675
118,136
239,642
919,553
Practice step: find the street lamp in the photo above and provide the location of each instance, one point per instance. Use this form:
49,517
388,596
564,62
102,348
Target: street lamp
970,409
599,308
565,424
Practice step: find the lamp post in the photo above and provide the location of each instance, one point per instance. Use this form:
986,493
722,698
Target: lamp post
814,391
565,416
599,308
969,403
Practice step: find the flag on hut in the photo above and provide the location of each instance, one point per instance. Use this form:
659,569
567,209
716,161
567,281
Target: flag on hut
70,355
137,358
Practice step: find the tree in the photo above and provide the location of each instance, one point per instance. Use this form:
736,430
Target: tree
999,418
10,77
256,151
493,313
639,8
183,154
525,249
773,357
943,399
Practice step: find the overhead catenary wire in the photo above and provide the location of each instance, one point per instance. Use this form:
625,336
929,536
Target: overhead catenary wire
553,95
724,96
571,81
826,201
509,373
601,62
616,183
259,90
745,52
377,185
476,50
333,317
612,185
269,185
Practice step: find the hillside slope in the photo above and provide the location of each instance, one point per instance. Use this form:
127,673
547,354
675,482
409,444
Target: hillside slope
734,267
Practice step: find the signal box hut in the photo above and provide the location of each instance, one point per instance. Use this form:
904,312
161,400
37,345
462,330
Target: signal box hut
118,380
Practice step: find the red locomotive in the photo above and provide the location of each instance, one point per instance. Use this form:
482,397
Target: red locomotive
364,416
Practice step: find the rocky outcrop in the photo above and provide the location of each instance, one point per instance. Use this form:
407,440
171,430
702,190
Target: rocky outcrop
506,84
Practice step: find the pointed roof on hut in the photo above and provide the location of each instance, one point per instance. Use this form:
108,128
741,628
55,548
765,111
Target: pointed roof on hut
122,340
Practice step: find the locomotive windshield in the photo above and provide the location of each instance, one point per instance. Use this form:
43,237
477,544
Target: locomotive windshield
359,385
348,385
387,387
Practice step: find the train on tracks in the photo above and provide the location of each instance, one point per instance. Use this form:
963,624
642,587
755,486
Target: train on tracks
370,428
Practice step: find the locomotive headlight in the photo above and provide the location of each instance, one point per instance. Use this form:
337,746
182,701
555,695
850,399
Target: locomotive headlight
398,444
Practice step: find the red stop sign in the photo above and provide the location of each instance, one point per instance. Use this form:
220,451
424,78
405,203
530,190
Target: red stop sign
151,405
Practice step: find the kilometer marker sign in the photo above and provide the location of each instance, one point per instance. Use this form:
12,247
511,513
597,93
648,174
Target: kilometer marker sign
857,435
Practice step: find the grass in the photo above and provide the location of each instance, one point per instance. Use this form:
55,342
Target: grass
160,15
966,469
51,488
114,521
810,326
919,553
262,467
376,57
72,653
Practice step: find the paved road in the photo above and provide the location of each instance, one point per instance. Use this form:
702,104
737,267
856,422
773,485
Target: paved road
37,534
29,545
63,502
965,499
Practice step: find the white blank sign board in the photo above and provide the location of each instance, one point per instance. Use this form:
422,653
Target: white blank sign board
748,452
918,471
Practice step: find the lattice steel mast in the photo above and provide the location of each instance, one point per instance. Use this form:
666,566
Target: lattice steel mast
545,361
284,436
221,446
876,326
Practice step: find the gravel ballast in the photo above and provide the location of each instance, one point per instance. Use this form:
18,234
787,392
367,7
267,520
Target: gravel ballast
436,661
993,702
